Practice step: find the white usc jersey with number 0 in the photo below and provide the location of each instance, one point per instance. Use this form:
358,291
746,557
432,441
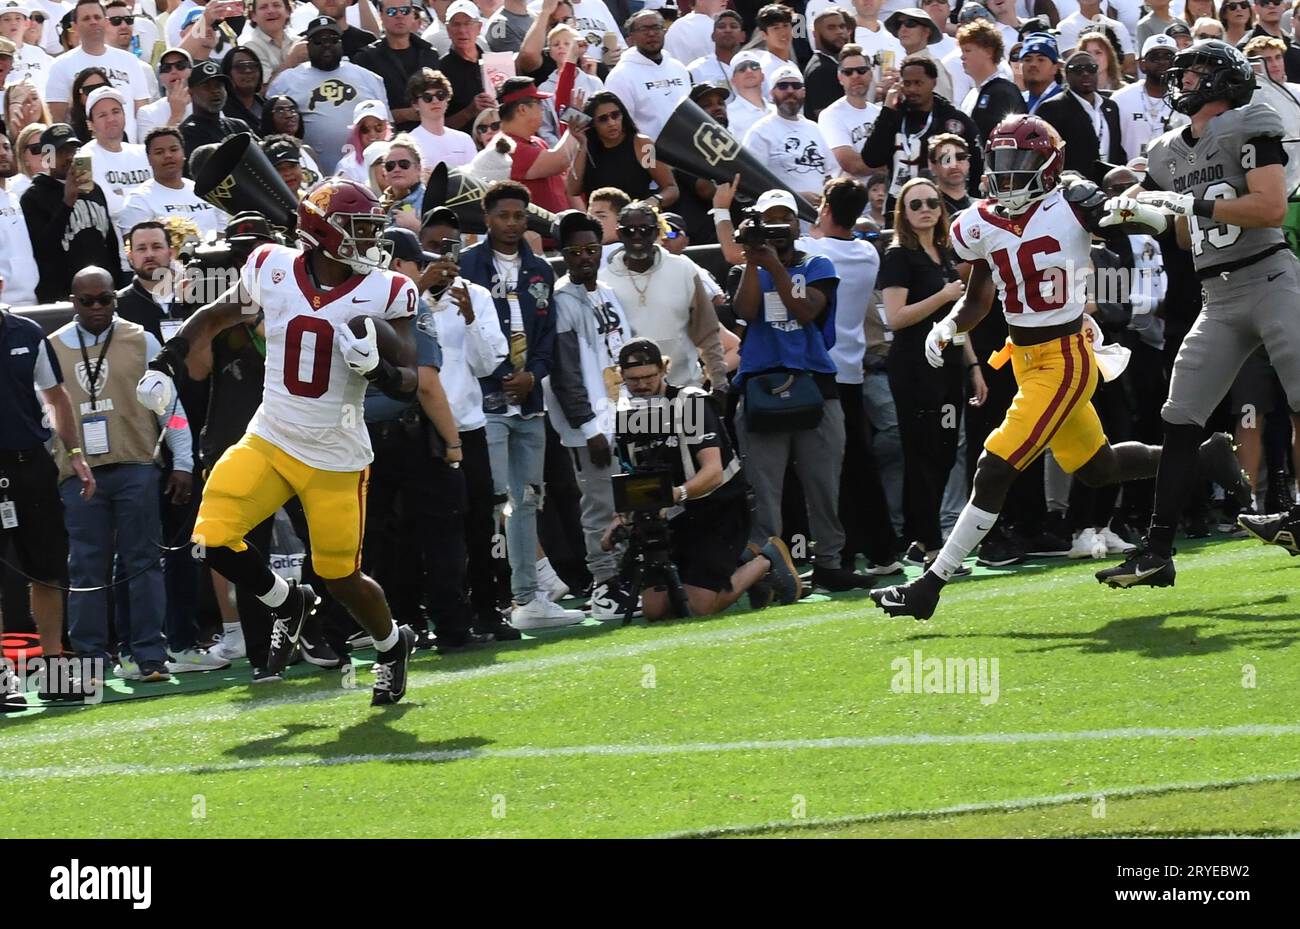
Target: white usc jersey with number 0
312,404
1039,259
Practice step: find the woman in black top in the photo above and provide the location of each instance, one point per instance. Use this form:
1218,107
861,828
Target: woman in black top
245,100
616,156
919,285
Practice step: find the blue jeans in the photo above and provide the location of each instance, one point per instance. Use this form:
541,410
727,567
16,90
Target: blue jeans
517,453
878,402
122,518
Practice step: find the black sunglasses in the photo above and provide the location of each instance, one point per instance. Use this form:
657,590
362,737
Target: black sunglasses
402,163
914,23
639,232
1238,5
285,108
745,66
930,203
860,70
328,38
119,20
790,85
36,149
173,66
107,298
435,95
489,127
582,251
1086,68
246,66
611,117
37,17
397,10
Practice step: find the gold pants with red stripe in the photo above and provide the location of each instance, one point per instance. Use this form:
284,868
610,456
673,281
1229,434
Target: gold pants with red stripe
1052,407
254,478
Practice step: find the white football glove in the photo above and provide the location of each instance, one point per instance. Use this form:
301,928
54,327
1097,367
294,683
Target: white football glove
155,391
361,355
1168,201
941,334
1124,210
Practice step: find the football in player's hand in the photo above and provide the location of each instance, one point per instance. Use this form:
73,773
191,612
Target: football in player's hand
390,344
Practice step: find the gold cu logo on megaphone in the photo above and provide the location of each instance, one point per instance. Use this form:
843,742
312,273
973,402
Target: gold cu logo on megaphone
225,190
715,144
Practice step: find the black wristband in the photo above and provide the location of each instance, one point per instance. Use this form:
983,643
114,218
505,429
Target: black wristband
171,360
1203,208
388,378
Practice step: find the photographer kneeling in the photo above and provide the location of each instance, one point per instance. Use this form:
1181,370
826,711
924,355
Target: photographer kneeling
676,433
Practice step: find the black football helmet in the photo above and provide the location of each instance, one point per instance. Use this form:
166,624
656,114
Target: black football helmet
1225,74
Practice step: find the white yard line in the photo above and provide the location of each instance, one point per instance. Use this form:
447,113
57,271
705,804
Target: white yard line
306,758
994,806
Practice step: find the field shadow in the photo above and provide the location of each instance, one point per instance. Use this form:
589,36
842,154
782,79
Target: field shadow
371,738
1149,637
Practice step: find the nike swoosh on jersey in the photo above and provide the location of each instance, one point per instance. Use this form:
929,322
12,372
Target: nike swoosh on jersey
1273,277
1048,206
362,300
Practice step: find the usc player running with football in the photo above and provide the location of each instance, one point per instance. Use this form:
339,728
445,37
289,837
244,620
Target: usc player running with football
308,438
1030,242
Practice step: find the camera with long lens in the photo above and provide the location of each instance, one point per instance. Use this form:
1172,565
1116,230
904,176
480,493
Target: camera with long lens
647,562
753,232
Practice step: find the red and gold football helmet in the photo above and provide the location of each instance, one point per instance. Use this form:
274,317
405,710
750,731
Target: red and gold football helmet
346,221
1023,159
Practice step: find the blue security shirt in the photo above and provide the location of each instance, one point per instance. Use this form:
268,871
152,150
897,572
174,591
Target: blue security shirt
27,364
791,345
381,408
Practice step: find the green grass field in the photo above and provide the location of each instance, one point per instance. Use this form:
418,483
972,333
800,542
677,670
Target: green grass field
1147,712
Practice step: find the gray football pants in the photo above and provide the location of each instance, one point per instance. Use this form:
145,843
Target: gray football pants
1256,305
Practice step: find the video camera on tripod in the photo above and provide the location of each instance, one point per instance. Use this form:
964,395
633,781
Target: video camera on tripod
648,558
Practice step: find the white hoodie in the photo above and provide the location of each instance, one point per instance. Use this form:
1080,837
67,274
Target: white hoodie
650,91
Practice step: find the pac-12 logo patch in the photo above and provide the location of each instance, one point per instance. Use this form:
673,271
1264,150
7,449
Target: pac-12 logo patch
277,276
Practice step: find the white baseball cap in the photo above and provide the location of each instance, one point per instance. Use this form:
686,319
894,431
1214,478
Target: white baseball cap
771,198
784,73
747,55
16,6
104,93
1160,40
376,108
375,151
468,7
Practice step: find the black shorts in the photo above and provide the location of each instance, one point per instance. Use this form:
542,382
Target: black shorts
40,539
708,540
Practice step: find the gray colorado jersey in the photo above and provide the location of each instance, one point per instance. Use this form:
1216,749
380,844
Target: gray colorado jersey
326,100
1214,167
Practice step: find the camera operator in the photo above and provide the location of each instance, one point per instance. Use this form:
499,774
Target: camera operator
676,429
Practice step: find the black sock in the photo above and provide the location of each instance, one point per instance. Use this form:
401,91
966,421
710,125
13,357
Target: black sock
246,569
1178,460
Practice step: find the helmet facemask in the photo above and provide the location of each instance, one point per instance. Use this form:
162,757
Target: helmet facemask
1015,175
362,246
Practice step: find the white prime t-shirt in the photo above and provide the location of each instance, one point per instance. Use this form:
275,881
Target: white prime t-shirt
856,264
309,389
453,147
152,200
650,91
31,64
1142,118
118,173
794,150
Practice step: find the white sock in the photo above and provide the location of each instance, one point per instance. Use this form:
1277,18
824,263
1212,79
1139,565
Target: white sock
972,526
387,642
278,593
230,628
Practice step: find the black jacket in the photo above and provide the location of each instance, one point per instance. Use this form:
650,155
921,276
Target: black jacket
997,100
879,148
821,81
396,68
66,239
1073,122
199,130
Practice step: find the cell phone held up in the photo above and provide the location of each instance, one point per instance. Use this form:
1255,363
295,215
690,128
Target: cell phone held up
83,170
575,118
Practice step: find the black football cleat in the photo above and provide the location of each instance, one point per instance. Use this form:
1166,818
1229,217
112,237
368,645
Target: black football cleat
1140,569
390,669
917,599
1280,529
1217,459
287,628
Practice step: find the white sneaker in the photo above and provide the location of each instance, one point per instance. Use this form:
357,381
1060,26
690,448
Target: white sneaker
1114,544
127,668
550,582
609,603
541,613
1087,544
195,659
231,645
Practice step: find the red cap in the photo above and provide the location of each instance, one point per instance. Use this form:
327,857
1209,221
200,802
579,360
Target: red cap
524,93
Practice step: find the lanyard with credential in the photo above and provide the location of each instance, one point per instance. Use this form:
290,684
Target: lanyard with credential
93,376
